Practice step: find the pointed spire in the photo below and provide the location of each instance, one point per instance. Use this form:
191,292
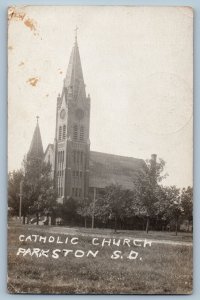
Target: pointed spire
74,81
36,148
76,29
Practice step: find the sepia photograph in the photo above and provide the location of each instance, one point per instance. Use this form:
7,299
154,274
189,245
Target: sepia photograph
100,150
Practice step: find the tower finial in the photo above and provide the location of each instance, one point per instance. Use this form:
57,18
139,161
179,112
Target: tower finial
37,117
76,29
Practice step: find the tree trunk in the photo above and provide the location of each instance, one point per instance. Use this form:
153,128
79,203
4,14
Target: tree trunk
92,221
85,222
53,220
147,225
115,223
176,226
37,218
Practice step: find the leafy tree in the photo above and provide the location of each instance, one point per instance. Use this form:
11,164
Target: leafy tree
161,205
14,179
39,196
85,209
147,189
187,204
113,204
172,208
68,210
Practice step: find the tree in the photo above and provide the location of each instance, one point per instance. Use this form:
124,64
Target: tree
113,204
187,204
161,206
155,170
147,189
68,210
39,196
14,179
172,209
85,209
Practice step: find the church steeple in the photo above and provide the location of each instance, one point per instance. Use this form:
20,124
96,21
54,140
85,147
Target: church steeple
72,146
36,148
74,81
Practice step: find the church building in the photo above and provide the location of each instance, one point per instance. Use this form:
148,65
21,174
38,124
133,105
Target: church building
77,171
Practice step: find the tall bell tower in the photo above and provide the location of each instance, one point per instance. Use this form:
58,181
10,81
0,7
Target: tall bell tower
72,143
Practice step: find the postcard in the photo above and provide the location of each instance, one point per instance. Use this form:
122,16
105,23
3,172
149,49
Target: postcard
100,150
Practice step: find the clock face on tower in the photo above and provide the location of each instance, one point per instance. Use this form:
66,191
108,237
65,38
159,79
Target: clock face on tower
79,113
62,114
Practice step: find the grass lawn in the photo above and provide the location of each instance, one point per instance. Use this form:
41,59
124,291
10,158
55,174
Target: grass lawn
156,269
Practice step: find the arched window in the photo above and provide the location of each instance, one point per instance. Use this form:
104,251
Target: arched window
60,133
64,132
81,133
75,132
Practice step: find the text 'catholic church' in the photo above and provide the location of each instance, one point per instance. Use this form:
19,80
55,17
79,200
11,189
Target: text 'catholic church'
77,171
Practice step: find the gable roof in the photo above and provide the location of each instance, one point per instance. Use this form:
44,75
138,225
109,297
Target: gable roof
106,169
49,146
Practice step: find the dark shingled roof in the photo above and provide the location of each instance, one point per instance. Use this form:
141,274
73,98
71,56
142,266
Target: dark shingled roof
106,169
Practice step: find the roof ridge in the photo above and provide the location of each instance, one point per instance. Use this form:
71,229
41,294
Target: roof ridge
111,154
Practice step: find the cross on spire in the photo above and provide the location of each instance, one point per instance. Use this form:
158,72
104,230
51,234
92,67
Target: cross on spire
75,30
37,117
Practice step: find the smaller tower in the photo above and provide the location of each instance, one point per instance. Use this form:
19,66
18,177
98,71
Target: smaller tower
36,148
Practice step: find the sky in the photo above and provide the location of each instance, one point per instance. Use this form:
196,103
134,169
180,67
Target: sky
138,69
